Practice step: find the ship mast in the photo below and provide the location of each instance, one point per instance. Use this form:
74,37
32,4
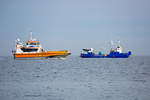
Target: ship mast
31,35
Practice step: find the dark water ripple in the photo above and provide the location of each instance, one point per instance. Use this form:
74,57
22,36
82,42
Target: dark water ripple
75,78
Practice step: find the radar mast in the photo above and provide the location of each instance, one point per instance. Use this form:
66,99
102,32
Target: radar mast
31,35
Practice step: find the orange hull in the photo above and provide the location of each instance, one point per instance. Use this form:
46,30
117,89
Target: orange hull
42,54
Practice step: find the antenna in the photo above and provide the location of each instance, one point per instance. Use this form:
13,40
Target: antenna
112,44
31,35
119,42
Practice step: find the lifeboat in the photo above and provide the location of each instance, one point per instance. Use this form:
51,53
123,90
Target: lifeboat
33,49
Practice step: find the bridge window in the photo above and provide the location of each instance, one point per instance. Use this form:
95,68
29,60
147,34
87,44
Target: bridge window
28,50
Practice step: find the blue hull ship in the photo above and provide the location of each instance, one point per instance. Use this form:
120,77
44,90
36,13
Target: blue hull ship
114,53
110,55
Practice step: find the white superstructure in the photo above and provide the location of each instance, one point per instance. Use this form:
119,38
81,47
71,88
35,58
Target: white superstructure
31,46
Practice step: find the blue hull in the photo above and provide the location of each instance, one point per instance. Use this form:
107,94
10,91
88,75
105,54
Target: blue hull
111,55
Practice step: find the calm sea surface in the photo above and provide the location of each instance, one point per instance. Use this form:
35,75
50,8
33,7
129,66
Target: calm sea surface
75,78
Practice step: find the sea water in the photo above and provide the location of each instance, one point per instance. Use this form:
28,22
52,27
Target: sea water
75,78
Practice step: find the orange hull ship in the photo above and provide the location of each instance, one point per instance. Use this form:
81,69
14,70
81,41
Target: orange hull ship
46,54
33,50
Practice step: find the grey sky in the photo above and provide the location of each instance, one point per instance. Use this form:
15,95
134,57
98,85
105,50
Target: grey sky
76,24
